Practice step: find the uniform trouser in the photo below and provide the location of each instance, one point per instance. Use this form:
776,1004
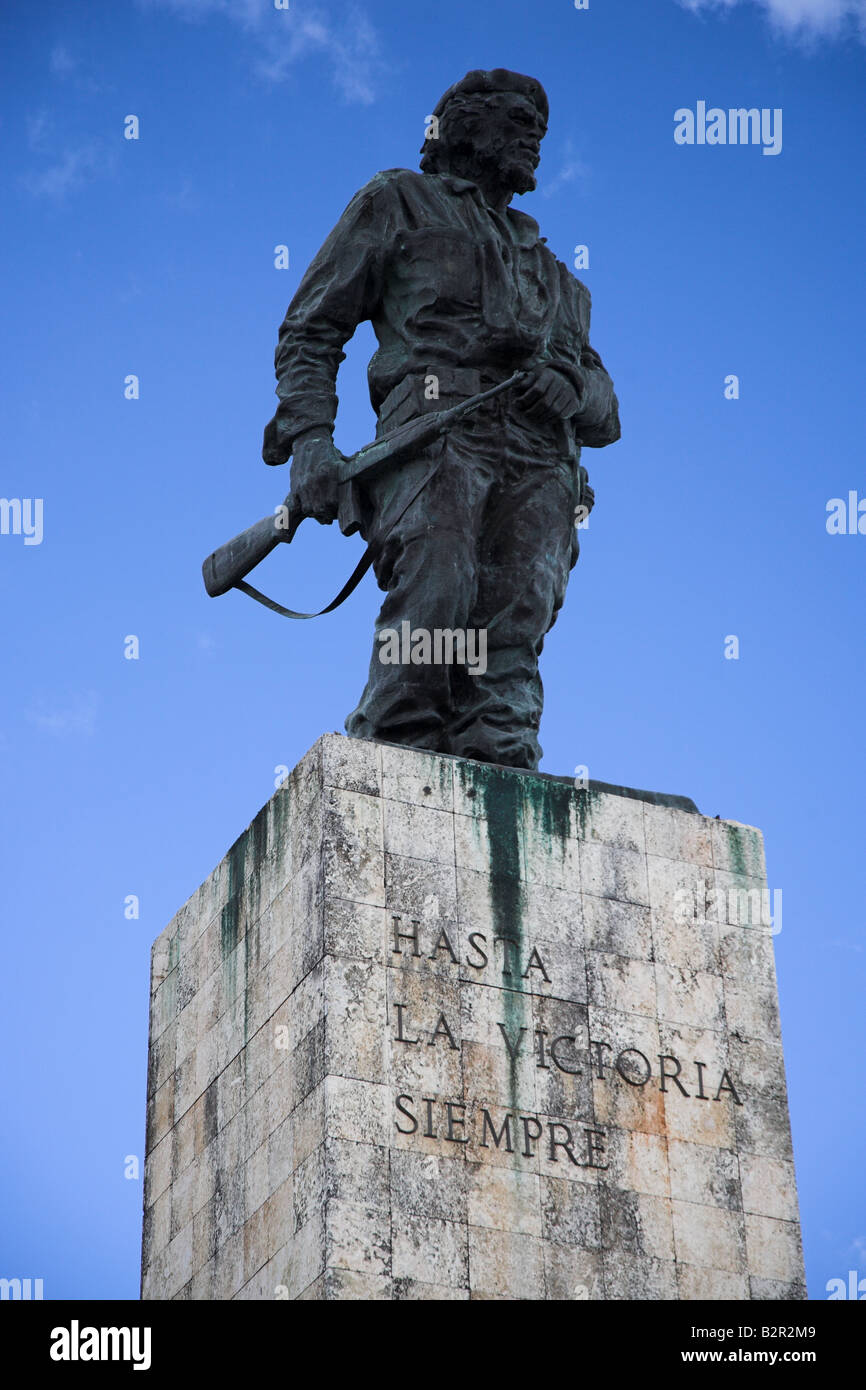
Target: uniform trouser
487,546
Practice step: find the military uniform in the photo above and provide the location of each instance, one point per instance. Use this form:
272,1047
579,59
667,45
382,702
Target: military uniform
460,295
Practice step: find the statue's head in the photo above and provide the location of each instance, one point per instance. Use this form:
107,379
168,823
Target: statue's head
490,128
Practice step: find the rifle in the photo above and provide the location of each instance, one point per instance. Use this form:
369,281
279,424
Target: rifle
228,566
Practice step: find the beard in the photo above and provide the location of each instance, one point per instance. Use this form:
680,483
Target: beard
495,162
519,176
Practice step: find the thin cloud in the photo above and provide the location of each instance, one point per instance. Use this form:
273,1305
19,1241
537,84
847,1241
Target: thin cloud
845,944
39,128
67,67
571,169
799,18
184,198
76,715
61,60
73,169
282,38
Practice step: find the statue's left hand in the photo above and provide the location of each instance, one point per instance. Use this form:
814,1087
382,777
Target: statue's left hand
585,492
315,477
548,396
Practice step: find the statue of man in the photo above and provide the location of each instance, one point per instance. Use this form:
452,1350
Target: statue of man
461,292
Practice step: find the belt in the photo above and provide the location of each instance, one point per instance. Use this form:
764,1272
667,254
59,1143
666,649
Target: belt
457,382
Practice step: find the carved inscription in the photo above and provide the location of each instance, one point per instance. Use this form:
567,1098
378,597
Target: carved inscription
506,965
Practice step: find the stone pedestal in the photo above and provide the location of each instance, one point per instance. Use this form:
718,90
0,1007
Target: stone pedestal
436,1030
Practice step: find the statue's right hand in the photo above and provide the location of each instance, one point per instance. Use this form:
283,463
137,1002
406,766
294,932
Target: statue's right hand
315,477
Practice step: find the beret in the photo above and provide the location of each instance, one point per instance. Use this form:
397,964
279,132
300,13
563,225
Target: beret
495,80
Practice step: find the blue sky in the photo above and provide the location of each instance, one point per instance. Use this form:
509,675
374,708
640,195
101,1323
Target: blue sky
155,257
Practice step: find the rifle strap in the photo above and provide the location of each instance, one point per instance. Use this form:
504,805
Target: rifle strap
357,574
351,583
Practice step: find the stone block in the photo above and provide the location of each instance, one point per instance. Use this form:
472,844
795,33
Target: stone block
434,1030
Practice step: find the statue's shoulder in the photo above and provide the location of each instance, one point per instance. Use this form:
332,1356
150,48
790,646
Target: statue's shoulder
386,190
400,175
525,224
399,180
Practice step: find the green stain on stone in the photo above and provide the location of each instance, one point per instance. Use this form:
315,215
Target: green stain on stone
583,802
501,798
280,805
506,798
444,777
744,848
554,802
258,833
500,795
551,805
245,861
735,849
230,916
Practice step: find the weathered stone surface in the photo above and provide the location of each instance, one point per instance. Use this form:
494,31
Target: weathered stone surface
438,1030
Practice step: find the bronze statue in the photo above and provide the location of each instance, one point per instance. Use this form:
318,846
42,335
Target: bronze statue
469,516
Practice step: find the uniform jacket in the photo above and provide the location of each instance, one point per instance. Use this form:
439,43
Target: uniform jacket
447,281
